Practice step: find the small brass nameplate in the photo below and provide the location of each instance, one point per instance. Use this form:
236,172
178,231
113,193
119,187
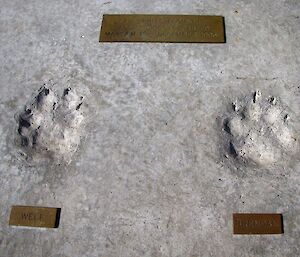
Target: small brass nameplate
250,223
31,216
162,28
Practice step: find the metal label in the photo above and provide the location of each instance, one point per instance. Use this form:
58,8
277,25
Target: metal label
162,28
31,216
249,223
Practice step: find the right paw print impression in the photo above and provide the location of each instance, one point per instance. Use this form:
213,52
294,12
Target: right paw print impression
260,131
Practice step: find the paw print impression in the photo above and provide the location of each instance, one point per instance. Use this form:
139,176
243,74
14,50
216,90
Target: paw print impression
260,131
51,125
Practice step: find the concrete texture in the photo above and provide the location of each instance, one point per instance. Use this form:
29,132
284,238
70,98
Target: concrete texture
150,177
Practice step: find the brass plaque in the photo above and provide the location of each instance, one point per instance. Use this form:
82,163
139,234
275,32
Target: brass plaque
162,28
31,216
250,223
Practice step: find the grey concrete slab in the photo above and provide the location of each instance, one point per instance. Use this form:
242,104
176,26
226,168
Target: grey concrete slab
150,177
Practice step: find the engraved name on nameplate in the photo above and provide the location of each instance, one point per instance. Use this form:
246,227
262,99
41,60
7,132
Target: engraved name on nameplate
162,28
31,216
250,223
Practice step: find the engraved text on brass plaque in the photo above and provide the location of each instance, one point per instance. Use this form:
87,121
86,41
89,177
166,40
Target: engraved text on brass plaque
162,28
31,216
250,223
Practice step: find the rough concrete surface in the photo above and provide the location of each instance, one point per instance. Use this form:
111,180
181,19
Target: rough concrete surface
152,175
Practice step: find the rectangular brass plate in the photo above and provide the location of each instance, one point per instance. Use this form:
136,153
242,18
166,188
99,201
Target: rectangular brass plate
162,28
31,216
250,223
